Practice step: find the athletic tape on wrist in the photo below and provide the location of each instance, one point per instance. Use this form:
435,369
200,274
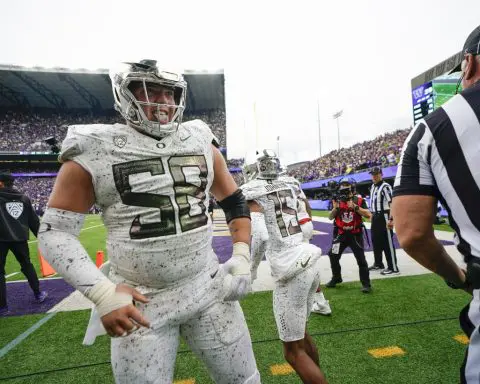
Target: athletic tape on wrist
241,252
106,298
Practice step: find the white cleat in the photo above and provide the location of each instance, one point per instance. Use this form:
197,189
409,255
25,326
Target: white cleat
322,308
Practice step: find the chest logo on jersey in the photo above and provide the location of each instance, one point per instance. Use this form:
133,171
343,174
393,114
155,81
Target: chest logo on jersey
120,141
347,217
14,209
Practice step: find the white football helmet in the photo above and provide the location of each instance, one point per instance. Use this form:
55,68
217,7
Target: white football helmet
147,75
268,165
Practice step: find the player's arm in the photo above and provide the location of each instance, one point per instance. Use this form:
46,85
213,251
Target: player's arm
231,200
237,214
71,198
309,208
259,236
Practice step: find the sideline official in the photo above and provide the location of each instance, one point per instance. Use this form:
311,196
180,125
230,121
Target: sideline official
440,159
17,216
382,224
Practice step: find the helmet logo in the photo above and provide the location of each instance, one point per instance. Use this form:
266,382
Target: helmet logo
120,141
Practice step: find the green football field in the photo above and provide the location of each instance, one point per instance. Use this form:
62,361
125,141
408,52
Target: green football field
444,92
406,331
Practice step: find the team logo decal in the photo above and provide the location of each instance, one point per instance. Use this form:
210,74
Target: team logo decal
14,209
347,217
120,141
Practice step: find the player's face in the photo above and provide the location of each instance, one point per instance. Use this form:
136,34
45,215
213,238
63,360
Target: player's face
155,93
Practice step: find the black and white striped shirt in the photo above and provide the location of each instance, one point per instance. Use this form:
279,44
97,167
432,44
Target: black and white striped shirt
441,158
380,197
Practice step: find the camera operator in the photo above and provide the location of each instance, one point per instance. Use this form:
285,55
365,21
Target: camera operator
348,212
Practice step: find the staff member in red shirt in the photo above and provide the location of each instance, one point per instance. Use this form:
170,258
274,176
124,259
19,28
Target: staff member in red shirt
348,213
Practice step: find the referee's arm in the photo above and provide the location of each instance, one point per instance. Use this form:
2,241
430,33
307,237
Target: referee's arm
414,207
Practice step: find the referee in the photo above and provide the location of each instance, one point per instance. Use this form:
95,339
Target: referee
382,224
441,159
16,218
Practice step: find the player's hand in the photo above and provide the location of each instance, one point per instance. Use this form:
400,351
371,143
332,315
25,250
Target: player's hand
125,320
237,281
335,203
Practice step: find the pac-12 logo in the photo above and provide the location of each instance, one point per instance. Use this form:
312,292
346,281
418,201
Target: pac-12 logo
14,209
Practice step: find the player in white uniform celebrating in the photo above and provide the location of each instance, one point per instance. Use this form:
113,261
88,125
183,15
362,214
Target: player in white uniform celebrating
293,264
151,178
304,214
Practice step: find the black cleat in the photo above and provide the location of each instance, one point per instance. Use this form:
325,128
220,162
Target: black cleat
366,289
332,283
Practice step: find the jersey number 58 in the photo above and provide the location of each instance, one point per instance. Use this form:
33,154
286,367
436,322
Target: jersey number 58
182,189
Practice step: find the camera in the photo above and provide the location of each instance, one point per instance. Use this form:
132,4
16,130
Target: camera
344,194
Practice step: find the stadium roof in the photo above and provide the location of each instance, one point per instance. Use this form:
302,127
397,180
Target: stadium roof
63,88
438,70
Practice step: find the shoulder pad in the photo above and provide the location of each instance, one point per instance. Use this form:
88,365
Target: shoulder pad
86,138
202,129
253,189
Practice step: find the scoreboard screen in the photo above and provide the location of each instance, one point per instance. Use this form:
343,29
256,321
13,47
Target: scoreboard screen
423,101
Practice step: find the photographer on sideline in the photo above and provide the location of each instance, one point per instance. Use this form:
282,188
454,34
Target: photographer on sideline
348,213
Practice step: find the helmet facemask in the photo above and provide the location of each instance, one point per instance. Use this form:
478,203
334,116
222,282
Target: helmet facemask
136,92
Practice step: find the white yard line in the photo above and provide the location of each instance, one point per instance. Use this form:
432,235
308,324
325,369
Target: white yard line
24,335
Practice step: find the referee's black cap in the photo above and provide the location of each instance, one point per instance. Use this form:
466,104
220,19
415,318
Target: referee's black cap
472,45
375,171
6,178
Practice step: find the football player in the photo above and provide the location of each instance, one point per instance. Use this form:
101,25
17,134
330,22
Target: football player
151,178
293,264
304,214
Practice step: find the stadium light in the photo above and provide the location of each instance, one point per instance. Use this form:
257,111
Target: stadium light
336,116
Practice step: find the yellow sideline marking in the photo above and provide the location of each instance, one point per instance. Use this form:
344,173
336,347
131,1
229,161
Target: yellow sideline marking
463,339
386,352
281,369
187,381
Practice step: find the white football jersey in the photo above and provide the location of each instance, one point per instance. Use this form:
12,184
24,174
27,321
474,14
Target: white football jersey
153,194
279,203
302,207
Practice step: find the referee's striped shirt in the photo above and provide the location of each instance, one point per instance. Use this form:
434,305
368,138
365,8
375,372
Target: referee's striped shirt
380,197
441,158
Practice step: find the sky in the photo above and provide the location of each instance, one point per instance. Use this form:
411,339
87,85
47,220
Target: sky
289,65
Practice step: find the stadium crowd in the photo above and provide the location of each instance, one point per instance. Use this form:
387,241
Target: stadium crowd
25,132
382,151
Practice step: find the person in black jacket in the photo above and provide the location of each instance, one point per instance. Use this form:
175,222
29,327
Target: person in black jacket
17,216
